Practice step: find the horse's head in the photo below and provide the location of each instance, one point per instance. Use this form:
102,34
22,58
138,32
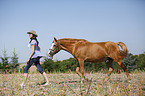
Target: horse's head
55,48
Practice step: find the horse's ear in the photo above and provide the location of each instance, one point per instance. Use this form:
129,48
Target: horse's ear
55,39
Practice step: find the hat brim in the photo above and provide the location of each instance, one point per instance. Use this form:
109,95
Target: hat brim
29,33
32,33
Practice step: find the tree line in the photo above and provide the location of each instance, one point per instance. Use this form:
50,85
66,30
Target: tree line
133,62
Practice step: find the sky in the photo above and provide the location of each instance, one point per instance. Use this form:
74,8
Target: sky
93,20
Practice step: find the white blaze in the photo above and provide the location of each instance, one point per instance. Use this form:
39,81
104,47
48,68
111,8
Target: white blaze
51,47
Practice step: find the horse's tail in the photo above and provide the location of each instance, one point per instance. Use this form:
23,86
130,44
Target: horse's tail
124,50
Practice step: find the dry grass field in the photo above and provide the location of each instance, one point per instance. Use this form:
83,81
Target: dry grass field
68,84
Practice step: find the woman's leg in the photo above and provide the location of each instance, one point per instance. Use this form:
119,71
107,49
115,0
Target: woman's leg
44,74
26,72
37,64
24,80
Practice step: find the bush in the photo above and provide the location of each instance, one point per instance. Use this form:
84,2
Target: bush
140,61
48,65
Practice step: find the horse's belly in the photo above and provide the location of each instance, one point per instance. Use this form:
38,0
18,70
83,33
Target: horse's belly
94,60
96,56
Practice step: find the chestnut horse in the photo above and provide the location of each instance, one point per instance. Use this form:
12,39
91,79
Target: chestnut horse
84,51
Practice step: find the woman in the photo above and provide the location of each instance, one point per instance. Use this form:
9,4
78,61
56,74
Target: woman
34,57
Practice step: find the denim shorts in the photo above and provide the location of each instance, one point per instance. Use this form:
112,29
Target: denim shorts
36,62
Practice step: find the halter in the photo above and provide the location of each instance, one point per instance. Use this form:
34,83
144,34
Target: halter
55,50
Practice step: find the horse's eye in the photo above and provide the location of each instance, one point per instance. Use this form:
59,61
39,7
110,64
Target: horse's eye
54,45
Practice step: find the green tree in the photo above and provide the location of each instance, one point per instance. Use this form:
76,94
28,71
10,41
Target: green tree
5,63
14,62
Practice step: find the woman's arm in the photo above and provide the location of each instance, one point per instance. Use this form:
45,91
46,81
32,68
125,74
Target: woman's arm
39,48
33,50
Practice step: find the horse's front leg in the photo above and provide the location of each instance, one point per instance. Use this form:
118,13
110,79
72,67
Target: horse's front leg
77,71
81,63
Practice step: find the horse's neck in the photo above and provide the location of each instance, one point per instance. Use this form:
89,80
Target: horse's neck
67,45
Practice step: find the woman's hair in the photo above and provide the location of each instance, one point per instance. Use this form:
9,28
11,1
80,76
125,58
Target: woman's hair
34,38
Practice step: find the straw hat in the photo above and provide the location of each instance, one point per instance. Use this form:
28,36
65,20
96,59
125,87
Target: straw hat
32,32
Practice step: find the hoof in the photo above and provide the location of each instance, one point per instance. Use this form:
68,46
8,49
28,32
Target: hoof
82,81
87,79
105,80
129,81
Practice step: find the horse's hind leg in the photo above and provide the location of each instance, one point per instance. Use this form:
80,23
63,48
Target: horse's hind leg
124,68
109,65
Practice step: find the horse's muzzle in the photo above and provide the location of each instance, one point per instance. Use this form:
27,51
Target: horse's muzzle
50,54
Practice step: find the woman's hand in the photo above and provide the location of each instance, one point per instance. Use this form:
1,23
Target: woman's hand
28,60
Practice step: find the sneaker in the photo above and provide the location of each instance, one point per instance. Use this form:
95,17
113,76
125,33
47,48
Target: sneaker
46,84
22,86
43,83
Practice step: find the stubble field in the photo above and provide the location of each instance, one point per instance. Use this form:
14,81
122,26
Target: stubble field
68,84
